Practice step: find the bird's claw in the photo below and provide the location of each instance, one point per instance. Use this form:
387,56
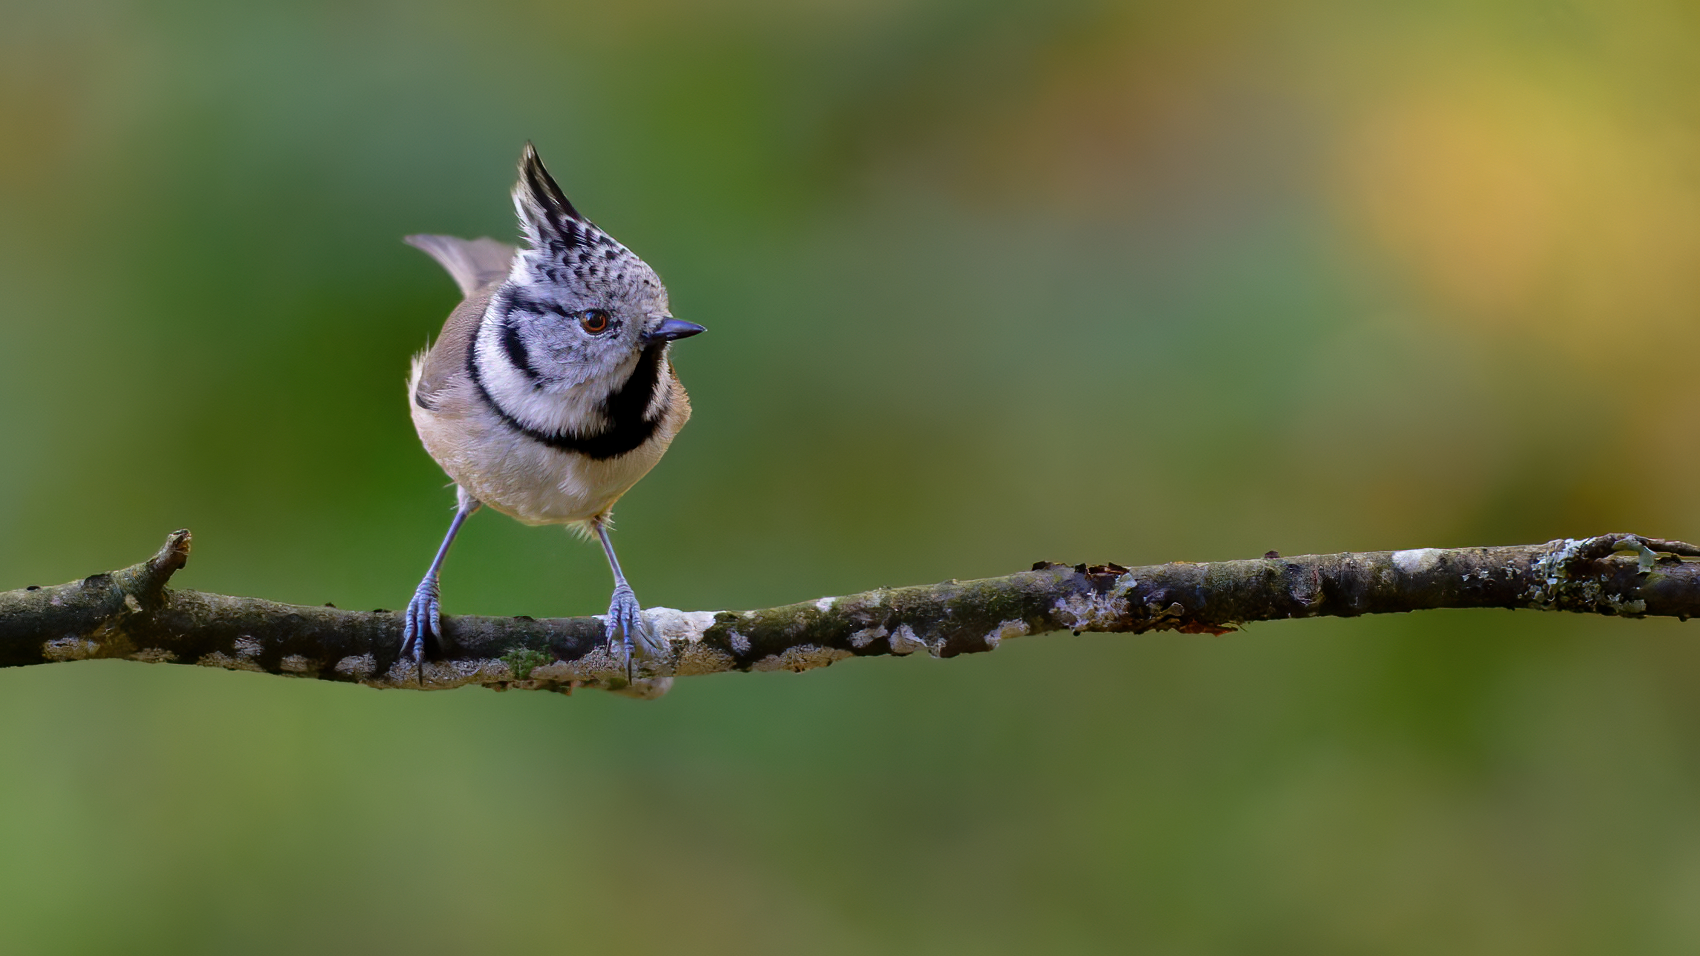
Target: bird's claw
423,619
627,630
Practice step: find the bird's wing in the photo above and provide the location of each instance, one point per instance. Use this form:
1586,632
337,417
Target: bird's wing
473,263
444,364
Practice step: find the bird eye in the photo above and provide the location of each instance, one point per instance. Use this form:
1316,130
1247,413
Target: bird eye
594,321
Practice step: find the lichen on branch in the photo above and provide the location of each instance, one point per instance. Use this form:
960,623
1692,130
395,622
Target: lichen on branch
132,614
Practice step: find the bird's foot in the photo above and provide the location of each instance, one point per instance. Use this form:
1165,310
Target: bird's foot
627,631
423,619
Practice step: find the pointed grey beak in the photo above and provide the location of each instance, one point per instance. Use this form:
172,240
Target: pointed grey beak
672,328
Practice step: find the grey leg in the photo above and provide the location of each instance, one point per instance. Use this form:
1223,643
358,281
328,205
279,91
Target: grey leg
425,613
625,617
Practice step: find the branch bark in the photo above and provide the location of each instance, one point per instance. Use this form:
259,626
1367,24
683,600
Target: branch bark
132,614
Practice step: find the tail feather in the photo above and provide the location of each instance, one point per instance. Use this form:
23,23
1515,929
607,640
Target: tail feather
472,263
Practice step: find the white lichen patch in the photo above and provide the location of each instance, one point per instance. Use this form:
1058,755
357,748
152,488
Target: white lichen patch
1005,630
248,647
801,658
1088,610
358,666
297,664
906,641
1555,584
131,604
1552,569
1416,560
867,635
70,648
825,604
483,669
442,675
221,659
560,671
1592,594
740,643
679,626
1624,608
154,655
599,664
699,658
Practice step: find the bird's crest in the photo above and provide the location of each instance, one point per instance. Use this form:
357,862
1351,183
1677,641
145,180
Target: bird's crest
566,249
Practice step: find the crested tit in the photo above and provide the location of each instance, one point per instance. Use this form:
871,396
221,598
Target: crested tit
549,392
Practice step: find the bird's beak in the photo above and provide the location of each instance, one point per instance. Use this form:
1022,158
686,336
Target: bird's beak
670,329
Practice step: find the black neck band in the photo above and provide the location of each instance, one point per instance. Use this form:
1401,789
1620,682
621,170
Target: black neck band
628,426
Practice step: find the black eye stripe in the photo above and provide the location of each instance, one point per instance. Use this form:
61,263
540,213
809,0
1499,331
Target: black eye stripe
519,300
517,352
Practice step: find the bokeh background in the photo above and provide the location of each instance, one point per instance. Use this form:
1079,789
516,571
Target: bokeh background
986,283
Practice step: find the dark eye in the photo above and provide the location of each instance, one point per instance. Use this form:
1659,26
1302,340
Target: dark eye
595,321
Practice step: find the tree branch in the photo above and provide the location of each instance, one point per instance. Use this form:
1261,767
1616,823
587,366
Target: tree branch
132,614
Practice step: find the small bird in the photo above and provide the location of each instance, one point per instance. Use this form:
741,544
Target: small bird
549,392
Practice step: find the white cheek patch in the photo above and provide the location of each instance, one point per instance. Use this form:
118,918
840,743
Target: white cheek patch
573,410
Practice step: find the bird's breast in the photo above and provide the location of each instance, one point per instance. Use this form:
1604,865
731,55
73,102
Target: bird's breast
535,481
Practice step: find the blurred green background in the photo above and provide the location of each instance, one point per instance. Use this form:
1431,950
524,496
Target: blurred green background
986,283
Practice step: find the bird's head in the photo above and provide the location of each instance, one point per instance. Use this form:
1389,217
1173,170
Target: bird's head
578,308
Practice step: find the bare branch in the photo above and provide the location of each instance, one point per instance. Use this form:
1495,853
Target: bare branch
132,614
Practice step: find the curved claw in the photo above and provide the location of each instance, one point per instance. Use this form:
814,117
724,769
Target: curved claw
625,625
423,618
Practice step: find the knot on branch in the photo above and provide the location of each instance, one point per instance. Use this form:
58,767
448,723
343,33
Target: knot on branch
93,617
146,581
1565,580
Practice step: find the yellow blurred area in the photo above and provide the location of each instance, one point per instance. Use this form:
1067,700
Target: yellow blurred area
1536,211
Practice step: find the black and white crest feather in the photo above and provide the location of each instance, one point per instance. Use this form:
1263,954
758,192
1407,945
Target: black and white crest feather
570,258
566,248
544,211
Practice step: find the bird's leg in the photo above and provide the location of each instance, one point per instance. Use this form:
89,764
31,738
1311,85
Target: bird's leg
625,617
425,612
